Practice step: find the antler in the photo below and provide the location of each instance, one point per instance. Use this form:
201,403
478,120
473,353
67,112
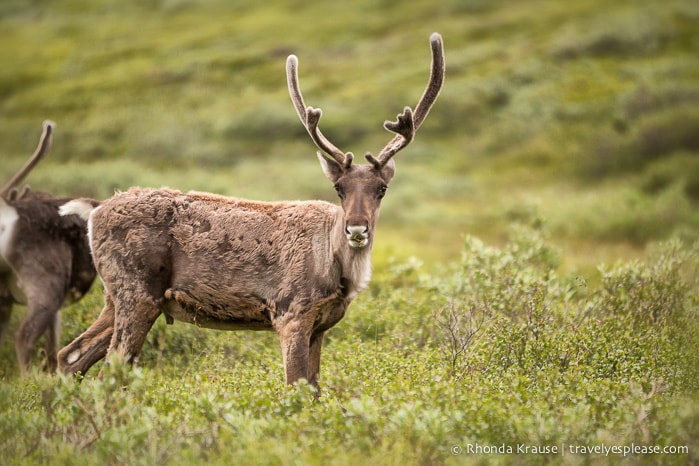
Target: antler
39,153
311,116
409,121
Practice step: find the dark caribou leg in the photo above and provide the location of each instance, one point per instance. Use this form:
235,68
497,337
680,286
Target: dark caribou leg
314,351
6,302
53,341
38,320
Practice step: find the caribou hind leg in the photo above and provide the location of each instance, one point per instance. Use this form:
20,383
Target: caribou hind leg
92,345
43,283
43,303
36,322
53,342
135,313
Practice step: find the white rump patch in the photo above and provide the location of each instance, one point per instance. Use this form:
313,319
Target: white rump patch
8,220
77,207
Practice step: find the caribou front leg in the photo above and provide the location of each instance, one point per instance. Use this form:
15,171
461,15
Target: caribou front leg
295,335
314,350
295,354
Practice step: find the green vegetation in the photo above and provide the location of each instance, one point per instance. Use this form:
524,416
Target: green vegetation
566,136
496,349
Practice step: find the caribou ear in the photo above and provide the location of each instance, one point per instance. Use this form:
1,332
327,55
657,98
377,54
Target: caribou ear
333,170
388,170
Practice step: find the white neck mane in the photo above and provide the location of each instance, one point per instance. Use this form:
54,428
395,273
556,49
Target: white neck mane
355,262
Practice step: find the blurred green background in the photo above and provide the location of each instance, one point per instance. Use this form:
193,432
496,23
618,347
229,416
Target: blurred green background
582,115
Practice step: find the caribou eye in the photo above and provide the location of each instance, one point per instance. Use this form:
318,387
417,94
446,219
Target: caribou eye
339,191
382,191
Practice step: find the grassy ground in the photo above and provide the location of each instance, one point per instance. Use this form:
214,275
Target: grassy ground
578,119
496,359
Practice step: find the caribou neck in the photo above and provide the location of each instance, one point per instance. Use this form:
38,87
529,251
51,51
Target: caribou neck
354,263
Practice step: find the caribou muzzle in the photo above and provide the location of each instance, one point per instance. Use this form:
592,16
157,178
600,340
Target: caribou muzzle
357,235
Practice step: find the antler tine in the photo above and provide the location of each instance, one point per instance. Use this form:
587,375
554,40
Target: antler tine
39,153
409,121
405,128
435,83
292,80
310,116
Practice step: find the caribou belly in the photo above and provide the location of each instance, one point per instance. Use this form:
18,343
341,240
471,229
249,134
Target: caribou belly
240,314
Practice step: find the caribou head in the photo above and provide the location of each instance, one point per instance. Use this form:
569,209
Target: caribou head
361,187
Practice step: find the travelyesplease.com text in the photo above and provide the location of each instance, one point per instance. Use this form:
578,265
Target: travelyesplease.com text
564,449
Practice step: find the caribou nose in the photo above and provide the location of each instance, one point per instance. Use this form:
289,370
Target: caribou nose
357,235
356,230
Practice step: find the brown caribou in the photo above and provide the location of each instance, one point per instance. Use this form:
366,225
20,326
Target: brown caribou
228,263
44,261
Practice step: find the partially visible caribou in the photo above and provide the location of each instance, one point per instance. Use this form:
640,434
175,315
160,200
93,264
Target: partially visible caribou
45,261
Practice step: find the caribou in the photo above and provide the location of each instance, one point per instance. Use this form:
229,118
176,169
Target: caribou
228,263
45,261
